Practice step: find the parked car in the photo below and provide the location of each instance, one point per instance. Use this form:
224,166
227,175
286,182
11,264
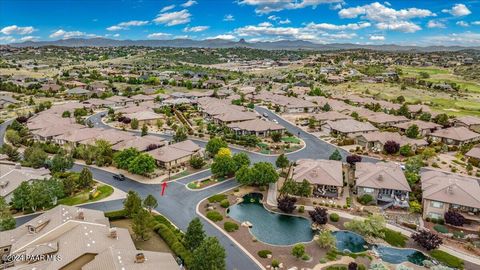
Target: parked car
275,121
119,177
265,115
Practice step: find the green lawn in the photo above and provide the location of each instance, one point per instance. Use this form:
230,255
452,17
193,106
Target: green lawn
394,238
193,185
447,259
83,197
430,70
291,140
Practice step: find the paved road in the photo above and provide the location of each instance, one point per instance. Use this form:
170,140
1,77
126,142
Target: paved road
179,204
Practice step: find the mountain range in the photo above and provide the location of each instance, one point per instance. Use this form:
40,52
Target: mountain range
221,43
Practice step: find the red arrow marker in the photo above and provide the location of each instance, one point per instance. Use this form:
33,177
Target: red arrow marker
164,185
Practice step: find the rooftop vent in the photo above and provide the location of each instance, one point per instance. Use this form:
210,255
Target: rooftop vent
113,233
139,258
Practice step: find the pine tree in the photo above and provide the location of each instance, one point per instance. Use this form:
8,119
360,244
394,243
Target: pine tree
194,235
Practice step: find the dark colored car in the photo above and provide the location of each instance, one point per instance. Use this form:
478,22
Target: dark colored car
119,177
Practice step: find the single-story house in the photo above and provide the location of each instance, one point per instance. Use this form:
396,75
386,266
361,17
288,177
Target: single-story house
256,127
147,117
470,122
424,127
473,155
348,127
384,181
176,154
455,136
326,176
330,116
444,191
77,91
140,143
96,103
119,100
380,119
376,140
13,175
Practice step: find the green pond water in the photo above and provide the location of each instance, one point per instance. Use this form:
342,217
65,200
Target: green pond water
269,227
279,229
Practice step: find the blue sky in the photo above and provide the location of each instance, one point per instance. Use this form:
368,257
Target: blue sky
404,22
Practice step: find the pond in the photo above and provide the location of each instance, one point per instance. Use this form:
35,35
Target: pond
269,227
279,229
351,242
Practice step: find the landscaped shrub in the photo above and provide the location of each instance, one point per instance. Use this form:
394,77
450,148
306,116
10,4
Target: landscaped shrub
447,259
217,198
319,215
286,203
458,234
230,226
115,215
440,228
336,267
365,199
173,242
427,239
225,203
275,263
305,257
264,253
334,217
394,238
454,218
214,216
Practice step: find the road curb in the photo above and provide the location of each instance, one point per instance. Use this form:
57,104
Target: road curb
226,234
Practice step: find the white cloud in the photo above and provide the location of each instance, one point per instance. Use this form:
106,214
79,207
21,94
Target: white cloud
462,24
69,34
29,38
229,18
196,29
265,24
328,26
126,25
458,10
380,13
167,8
377,37
159,35
475,23
224,36
387,18
268,32
402,26
286,21
7,39
273,17
17,30
466,39
173,18
336,6
435,24
267,6
341,35
189,3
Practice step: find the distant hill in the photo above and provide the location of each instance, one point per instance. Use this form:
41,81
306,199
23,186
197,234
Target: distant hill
221,43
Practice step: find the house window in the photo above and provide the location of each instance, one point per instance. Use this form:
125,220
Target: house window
436,204
368,190
435,215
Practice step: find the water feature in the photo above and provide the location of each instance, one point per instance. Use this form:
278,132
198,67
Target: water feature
352,242
279,229
269,227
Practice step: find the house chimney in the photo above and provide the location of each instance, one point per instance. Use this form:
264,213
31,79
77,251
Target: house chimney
113,233
139,258
81,215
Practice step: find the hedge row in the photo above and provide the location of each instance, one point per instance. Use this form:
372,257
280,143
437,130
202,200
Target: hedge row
173,242
116,215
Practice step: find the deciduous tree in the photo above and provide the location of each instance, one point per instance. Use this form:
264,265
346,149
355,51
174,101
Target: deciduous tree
195,235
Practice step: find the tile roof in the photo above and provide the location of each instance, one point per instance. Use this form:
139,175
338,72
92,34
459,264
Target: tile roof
451,188
456,133
380,175
322,172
